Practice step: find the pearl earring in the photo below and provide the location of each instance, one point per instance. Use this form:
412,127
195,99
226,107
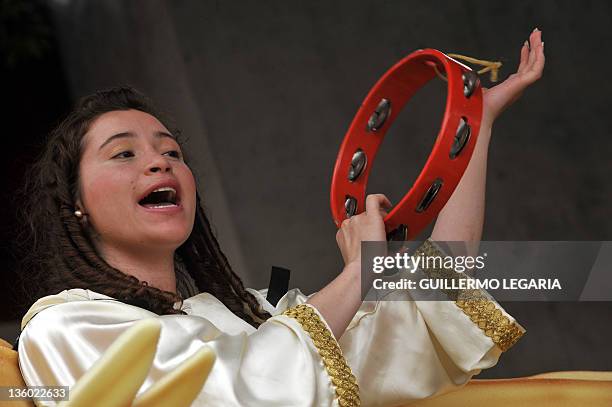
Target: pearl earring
78,214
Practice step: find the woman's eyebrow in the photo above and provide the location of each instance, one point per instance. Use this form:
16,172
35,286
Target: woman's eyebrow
161,134
127,134
116,136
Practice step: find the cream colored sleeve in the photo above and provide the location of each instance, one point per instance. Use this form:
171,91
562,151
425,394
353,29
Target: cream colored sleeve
402,350
290,360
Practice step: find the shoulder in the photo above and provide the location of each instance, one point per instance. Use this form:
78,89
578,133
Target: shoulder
77,302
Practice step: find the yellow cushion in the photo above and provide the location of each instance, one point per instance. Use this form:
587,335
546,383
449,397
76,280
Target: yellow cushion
569,389
10,375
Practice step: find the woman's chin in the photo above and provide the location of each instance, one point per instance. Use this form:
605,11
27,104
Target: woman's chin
166,237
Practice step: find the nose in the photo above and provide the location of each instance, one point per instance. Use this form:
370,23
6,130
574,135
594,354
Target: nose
158,163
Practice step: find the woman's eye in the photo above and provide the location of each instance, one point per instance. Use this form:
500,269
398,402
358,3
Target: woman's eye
174,153
124,154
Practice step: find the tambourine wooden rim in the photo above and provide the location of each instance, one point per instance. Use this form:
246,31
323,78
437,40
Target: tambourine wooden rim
447,161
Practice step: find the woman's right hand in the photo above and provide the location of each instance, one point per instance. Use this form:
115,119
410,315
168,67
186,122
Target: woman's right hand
367,226
339,300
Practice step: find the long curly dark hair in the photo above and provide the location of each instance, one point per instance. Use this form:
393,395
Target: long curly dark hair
58,252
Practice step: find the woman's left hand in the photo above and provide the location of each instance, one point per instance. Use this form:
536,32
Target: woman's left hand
499,97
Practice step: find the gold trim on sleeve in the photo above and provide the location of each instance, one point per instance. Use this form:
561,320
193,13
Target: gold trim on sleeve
347,390
474,303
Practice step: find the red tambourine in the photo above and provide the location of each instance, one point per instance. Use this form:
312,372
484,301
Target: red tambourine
448,159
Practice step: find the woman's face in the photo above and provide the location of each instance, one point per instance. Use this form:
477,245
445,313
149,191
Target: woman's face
126,155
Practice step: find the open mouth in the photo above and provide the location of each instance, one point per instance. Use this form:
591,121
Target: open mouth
164,197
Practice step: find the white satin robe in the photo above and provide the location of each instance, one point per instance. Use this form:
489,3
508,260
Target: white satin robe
398,351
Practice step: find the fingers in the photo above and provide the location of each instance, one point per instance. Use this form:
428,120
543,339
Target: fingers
374,202
535,62
524,57
535,39
538,64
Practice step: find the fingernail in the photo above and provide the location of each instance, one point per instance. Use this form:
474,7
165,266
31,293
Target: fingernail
536,29
526,44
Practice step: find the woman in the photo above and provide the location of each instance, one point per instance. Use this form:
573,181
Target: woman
116,222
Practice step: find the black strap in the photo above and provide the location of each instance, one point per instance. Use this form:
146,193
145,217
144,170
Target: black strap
279,284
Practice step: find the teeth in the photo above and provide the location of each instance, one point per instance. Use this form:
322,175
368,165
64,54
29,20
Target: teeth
165,189
163,197
162,206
